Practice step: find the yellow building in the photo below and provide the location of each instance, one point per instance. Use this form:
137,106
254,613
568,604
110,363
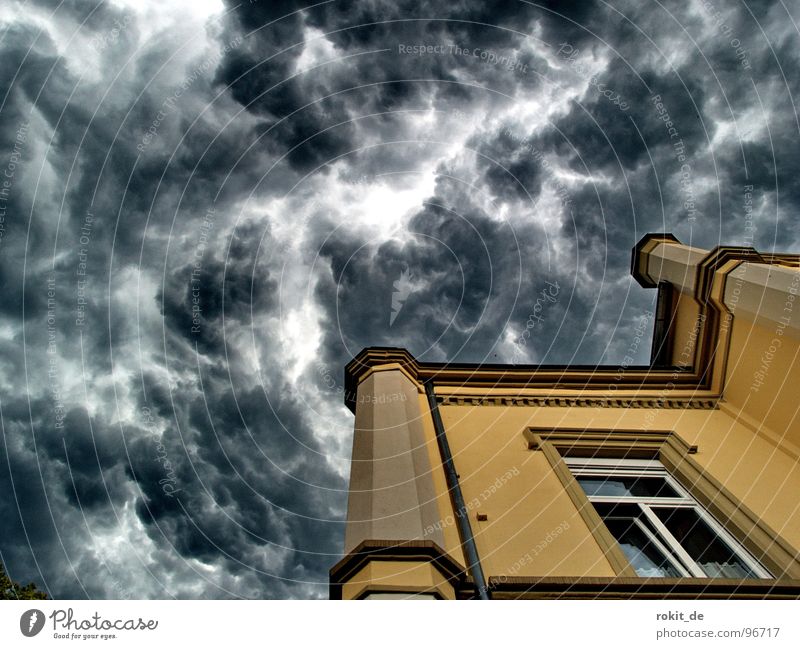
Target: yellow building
678,479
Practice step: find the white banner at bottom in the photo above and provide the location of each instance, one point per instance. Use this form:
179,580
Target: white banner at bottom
132,623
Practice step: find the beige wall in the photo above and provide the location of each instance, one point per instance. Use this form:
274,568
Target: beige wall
763,381
530,505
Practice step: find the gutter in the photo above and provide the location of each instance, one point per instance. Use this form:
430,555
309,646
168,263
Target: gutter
456,497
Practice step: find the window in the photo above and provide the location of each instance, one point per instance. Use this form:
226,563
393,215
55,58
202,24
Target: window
660,527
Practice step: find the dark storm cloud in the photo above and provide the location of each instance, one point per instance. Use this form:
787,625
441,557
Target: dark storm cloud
509,169
262,77
597,136
83,461
247,462
472,280
449,259
91,448
573,22
66,481
268,165
200,298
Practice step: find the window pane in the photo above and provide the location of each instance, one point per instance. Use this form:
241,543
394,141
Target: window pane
650,487
701,543
644,556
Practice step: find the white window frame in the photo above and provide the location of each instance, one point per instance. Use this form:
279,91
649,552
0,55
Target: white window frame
606,467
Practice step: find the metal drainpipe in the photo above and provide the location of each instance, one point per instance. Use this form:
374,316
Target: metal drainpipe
453,486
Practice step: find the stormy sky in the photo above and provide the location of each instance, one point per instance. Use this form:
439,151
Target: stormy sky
207,208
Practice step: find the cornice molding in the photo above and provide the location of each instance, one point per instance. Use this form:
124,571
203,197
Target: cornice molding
508,587
385,550
715,260
580,402
493,376
701,376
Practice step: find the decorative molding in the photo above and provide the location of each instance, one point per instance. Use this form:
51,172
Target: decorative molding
501,376
401,592
600,443
700,377
627,443
392,367
696,403
617,442
382,550
714,261
503,587
675,453
608,544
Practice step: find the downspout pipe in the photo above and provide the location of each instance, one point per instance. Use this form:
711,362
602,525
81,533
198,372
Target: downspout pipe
457,498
